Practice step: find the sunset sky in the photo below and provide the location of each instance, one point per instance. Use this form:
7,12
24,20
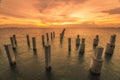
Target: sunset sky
99,13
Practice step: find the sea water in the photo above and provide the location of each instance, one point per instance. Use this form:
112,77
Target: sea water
65,65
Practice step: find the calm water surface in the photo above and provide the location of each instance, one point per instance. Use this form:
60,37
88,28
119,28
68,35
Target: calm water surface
65,65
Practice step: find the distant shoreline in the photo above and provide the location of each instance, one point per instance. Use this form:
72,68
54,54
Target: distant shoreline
59,28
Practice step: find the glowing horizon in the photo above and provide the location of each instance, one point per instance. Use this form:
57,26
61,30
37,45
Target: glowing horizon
60,12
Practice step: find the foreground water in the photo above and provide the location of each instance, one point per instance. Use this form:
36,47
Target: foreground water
65,65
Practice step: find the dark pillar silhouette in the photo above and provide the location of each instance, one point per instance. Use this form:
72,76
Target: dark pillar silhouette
95,41
43,40
28,40
77,42
34,43
48,57
10,54
14,38
69,44
111,45
12,43
82,47
96,63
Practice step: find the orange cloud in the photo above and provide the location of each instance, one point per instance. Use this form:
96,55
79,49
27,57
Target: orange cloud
60,12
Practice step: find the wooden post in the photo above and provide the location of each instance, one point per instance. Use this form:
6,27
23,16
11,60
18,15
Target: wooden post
28,40
48,57
10,54
43,40
34,43
82,47
14,38
51,36
54,34
111,45
77,41
12,43
47,36
96,63
95,41
69,44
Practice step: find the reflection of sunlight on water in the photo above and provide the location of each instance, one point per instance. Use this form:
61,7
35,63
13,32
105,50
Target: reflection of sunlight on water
65,65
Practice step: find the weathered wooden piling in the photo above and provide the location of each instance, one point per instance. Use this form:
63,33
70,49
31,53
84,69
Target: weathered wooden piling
51,36
54,34
63,32
111,45
60,37
82,47
28,40
12,43
109,49
113,40
10,54
69,44
48,57
96,63
34,43
47,36
96,41
77,41
43,40
14,38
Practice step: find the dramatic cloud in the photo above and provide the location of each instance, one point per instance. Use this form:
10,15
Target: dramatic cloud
44,5
113,11
12,14
59,12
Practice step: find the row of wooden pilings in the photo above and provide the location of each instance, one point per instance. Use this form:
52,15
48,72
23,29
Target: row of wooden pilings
96,62
11,47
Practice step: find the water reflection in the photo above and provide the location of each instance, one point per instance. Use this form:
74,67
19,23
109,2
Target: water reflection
81,57
35,51
49,75
64,70
15,51
13,67
61,42
93,77
108,58
69,54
